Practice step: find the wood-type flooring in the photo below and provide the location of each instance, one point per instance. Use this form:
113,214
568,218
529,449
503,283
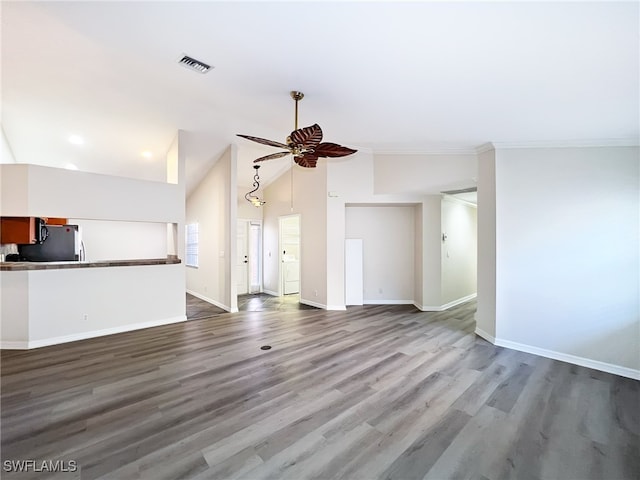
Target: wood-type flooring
257,302
376,392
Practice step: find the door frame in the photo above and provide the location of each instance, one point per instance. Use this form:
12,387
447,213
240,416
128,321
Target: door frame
259,262
281,218
245,227
248,223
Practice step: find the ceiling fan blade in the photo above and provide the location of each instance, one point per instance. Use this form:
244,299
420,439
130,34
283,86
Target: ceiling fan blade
307,160
272,156
308,137
332,150
264,141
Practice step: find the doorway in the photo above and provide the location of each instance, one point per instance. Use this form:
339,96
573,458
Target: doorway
249,257
289,229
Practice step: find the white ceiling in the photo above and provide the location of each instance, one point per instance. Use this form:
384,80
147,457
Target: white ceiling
387,76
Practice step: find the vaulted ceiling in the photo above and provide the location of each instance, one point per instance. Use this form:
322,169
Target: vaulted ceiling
401,77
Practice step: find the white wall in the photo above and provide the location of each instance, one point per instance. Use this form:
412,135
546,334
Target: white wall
213,205
459,250
14,307
113,240
37,191
388,234
310,201
424,173
567,258
6,154
99,293
47,307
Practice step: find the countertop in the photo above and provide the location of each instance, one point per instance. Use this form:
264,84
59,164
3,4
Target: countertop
14,266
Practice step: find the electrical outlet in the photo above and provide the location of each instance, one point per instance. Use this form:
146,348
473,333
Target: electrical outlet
379,290
315,292
85,317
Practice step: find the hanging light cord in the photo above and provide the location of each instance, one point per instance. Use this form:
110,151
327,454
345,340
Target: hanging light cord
296,96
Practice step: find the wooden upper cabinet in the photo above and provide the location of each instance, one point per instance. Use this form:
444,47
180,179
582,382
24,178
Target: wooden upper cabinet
17,230
22,230
55,221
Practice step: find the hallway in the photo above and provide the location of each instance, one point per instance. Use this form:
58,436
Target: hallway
258,302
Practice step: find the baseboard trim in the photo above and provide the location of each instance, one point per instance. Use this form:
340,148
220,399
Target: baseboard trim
340,308
446,306
487,336
563,357
270,292
211,301
10,345
388,302
313,304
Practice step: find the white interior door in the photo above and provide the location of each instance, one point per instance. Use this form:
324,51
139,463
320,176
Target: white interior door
354,271
290,254
242,261
255,257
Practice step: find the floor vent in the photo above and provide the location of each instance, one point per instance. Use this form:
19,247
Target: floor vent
194,64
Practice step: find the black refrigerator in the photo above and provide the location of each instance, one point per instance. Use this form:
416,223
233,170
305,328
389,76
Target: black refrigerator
61,244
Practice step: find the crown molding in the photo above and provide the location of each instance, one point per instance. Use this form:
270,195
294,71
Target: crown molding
433,150
605,142
486,147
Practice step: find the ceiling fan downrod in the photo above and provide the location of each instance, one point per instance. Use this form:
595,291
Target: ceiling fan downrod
297,96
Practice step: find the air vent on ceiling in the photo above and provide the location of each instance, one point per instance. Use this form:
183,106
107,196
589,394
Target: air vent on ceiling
194,64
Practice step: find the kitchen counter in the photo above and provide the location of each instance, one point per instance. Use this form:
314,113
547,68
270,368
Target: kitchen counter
17,266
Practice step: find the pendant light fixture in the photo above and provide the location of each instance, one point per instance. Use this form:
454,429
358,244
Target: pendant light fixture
251,198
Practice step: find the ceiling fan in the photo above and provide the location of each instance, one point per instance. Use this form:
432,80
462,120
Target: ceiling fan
303,143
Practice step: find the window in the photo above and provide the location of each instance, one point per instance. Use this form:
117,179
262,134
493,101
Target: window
192,245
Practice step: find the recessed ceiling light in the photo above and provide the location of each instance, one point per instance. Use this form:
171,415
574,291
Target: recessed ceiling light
70,166
147,154
76,140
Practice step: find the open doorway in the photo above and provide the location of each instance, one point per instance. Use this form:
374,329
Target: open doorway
249,257
289,231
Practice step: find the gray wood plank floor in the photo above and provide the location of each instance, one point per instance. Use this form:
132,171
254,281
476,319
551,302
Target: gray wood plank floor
382,392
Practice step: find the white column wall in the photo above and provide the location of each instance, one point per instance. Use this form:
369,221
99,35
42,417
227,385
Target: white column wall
486,306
